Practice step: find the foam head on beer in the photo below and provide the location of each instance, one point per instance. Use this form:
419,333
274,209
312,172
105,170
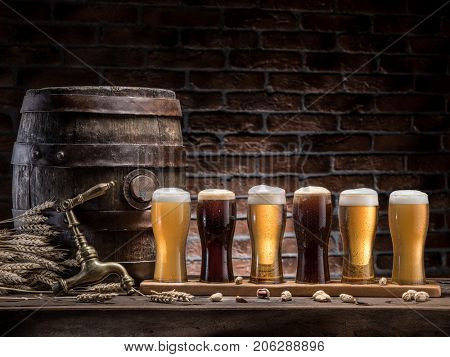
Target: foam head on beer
171,195
312,190
408,197
358,197
266,195
216,195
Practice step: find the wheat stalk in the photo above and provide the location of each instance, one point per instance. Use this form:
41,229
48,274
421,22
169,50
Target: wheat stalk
40,278
161,298
39,218
94,297
106,288
7,277
19,267
39,229
176,295
25,242
45,263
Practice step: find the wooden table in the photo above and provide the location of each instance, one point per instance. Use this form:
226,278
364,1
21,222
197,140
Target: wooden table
135,316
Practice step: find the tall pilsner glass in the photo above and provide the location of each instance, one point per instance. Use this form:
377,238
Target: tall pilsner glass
171,214
266,222
312,213
408,223
216,220
358,217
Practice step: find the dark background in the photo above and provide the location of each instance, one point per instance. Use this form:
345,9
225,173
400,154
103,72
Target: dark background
250,76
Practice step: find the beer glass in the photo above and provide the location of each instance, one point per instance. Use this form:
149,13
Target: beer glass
171,214
358,217
312,222
216,220
408,223
266,219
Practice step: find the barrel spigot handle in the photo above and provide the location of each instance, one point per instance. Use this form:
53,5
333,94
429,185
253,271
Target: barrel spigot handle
93,192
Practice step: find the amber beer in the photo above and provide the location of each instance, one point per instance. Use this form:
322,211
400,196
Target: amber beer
171,213
408,223
358,217
216,220
312,222
266,218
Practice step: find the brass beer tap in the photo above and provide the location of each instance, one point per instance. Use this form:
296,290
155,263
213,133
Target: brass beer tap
92,269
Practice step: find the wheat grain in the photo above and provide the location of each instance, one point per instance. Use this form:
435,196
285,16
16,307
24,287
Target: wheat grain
161,298
19,267
10,278
45,263
39,278
39,229
106,288
7,256
176,295
39,218
25,242
39,208
94,297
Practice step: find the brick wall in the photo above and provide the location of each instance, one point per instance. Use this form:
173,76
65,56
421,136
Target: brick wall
251,76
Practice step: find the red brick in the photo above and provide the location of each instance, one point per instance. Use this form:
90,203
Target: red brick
95,12
138,36
32,10
383,261
370,7
193,268
371,44
427,45
323,5
302,163
225,122
147,78
335,265
73,35
372,122
338,183
410,182
242,248
259,19
298,40
410,103
339,62
440,123
107,56
261,143
201,142
369,163
439,163
439,200
257,59
261,101
241,185
19,55
53,77
436,240
335,142
432,84
400,24
304,82
221,164
336,23
406,142
301,122
383,243
218,39
181,58
379,83
436,222
341,103
227,80
200,100
6,78
196,184
410,64
181,17
193,247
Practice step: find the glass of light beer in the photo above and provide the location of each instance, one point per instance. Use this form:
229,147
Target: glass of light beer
266,219
358,217
312,222
171,214
408,223
216,220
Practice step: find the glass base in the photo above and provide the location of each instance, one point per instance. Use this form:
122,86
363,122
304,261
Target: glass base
255,280
348,280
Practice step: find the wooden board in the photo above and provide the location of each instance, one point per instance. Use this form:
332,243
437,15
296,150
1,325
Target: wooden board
333,288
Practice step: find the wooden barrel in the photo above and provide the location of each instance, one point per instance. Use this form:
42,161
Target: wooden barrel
73,138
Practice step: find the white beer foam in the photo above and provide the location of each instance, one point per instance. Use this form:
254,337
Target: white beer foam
266,195
171,195
216,194
408,197
358,197
312,190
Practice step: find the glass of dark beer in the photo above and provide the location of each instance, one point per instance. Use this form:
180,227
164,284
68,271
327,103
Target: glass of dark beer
312,222
216,219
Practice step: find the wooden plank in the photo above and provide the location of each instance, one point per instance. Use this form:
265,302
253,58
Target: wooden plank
333,288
